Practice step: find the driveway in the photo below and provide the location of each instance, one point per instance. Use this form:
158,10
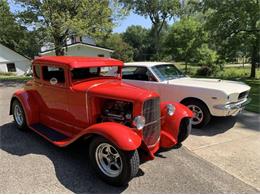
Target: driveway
29,164
231,143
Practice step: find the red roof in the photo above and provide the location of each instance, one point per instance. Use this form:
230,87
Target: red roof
79,62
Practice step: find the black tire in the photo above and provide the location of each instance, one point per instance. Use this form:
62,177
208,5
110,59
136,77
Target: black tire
184,130
130,163
204,109
23,125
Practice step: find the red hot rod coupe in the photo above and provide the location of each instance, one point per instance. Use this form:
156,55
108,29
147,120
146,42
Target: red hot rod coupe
75,97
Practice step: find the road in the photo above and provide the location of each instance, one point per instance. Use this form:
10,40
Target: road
29,164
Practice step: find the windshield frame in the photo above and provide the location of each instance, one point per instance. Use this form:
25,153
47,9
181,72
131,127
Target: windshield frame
154,68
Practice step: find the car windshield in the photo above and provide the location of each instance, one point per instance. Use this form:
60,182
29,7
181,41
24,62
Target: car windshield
79,74
167,72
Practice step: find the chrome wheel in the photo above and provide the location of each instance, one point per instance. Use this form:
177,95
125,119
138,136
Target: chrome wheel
197,114
18,115
109,160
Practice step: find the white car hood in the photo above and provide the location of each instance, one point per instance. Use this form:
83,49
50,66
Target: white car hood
227,87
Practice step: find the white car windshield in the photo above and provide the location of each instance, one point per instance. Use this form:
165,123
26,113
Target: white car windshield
167,72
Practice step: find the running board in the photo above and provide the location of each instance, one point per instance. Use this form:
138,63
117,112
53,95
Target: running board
49,133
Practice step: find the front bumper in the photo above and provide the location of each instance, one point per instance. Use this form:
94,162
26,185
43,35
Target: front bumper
232,109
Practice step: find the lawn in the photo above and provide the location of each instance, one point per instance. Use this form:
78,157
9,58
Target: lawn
236,74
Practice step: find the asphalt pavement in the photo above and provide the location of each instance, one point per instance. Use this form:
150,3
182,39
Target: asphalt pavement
30,164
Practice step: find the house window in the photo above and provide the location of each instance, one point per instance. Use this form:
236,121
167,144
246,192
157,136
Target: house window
11,67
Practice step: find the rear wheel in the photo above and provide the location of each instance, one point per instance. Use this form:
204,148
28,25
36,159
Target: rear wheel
113,165
201,114
19,115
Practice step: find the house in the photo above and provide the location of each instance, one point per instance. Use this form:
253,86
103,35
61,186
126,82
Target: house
78,46
11,61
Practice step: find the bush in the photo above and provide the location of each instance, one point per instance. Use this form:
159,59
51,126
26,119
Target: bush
205,71
7,74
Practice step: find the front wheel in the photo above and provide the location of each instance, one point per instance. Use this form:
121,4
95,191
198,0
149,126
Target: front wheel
201,114
113,165
19,115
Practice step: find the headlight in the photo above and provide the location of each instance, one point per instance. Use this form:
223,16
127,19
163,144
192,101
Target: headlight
170,109
139,122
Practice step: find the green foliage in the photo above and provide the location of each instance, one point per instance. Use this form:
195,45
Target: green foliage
158,11
233,25
184,38
7,74
15,36
138,38
61,19
206,56
122,50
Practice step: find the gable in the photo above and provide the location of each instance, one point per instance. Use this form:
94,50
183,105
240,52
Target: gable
8,55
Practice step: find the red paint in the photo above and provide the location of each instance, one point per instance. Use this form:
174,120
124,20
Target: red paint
72,108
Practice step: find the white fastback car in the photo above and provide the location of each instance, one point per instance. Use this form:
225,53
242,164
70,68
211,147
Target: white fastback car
205,97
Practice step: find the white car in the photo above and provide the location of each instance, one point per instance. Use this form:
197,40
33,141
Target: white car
205,97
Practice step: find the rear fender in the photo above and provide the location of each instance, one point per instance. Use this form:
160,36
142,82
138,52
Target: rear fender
171,124
29,104
123,137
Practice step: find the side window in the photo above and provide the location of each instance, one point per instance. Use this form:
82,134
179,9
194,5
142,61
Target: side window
53,74
137,73
37,71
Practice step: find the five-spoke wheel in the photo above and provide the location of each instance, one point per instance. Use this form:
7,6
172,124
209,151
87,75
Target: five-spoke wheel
109,160
113,165
18,115
201,114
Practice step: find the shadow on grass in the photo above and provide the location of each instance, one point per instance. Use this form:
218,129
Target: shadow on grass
71,164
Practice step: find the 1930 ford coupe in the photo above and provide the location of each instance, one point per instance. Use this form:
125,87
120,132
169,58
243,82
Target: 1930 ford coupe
71,98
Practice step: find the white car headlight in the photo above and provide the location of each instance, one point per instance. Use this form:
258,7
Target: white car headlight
170,109
139,122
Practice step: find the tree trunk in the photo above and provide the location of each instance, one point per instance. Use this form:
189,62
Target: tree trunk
186,67
254,57
59,44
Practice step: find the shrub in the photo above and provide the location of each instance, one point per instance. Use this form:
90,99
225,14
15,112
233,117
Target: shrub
205,71
7,74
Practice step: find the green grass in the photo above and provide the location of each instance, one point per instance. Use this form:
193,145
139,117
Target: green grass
235,74
254,105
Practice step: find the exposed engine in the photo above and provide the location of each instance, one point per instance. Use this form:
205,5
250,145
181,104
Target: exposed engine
117,111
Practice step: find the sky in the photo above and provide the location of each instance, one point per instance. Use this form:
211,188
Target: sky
132,19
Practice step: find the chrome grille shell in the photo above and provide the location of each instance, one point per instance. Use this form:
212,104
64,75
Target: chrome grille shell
151,112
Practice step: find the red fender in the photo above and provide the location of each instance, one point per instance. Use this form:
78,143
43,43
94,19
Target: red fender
171,124
123,137
29,104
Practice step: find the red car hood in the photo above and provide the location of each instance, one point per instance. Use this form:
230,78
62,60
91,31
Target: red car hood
115,89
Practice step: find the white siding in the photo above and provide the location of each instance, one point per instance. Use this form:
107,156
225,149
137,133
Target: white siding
82,50
9,56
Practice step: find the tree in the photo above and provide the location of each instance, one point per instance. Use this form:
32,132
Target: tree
62,19
231,21
15,36
159,11
138,38
183,40
122,50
